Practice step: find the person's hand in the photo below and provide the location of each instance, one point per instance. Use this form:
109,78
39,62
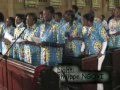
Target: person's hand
7,42
24,42
99,55
70,38
43,44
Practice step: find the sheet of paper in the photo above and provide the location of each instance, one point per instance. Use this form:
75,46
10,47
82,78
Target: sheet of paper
9,37
4,48
36,39
18,41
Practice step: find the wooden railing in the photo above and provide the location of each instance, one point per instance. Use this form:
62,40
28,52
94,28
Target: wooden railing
19,75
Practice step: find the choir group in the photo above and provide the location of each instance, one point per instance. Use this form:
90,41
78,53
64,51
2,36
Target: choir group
43,40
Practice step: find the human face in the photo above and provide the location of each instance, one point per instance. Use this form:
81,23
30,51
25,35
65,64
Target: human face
85,22
41,16
67,17
8,22
29,21
17,20
57,18
117,13
74,10
47,16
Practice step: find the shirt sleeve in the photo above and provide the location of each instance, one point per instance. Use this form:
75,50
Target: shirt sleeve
111,26
103,34
61,35
104,46
83,47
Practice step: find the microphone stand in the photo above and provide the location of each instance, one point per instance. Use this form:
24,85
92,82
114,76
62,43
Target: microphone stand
6,57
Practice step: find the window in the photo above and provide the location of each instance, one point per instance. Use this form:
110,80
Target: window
96,3
31,3
111,4
43,1
117,2
81,3
55,2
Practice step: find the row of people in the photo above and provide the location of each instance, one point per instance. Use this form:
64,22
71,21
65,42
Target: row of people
44,41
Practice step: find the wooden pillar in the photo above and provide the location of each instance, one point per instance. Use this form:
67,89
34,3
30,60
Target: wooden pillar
10,6
69,3
66,4
105,9
3,7
88,5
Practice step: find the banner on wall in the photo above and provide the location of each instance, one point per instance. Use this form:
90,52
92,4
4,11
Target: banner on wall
96,3
81,3
111,4
31,3
117,2
55,3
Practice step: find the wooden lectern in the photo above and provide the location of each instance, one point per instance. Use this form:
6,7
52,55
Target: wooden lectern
20,75
89,64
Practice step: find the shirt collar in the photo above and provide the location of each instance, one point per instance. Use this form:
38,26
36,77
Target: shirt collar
9,27
20,25
32,27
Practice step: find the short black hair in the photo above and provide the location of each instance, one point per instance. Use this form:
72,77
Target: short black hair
92,12
51,9
75,8
1,17
21,16
12,20
33,15
41,12
59,14
103,16
89,17
71,13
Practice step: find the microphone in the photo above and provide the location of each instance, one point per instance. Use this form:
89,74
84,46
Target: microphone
6,57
